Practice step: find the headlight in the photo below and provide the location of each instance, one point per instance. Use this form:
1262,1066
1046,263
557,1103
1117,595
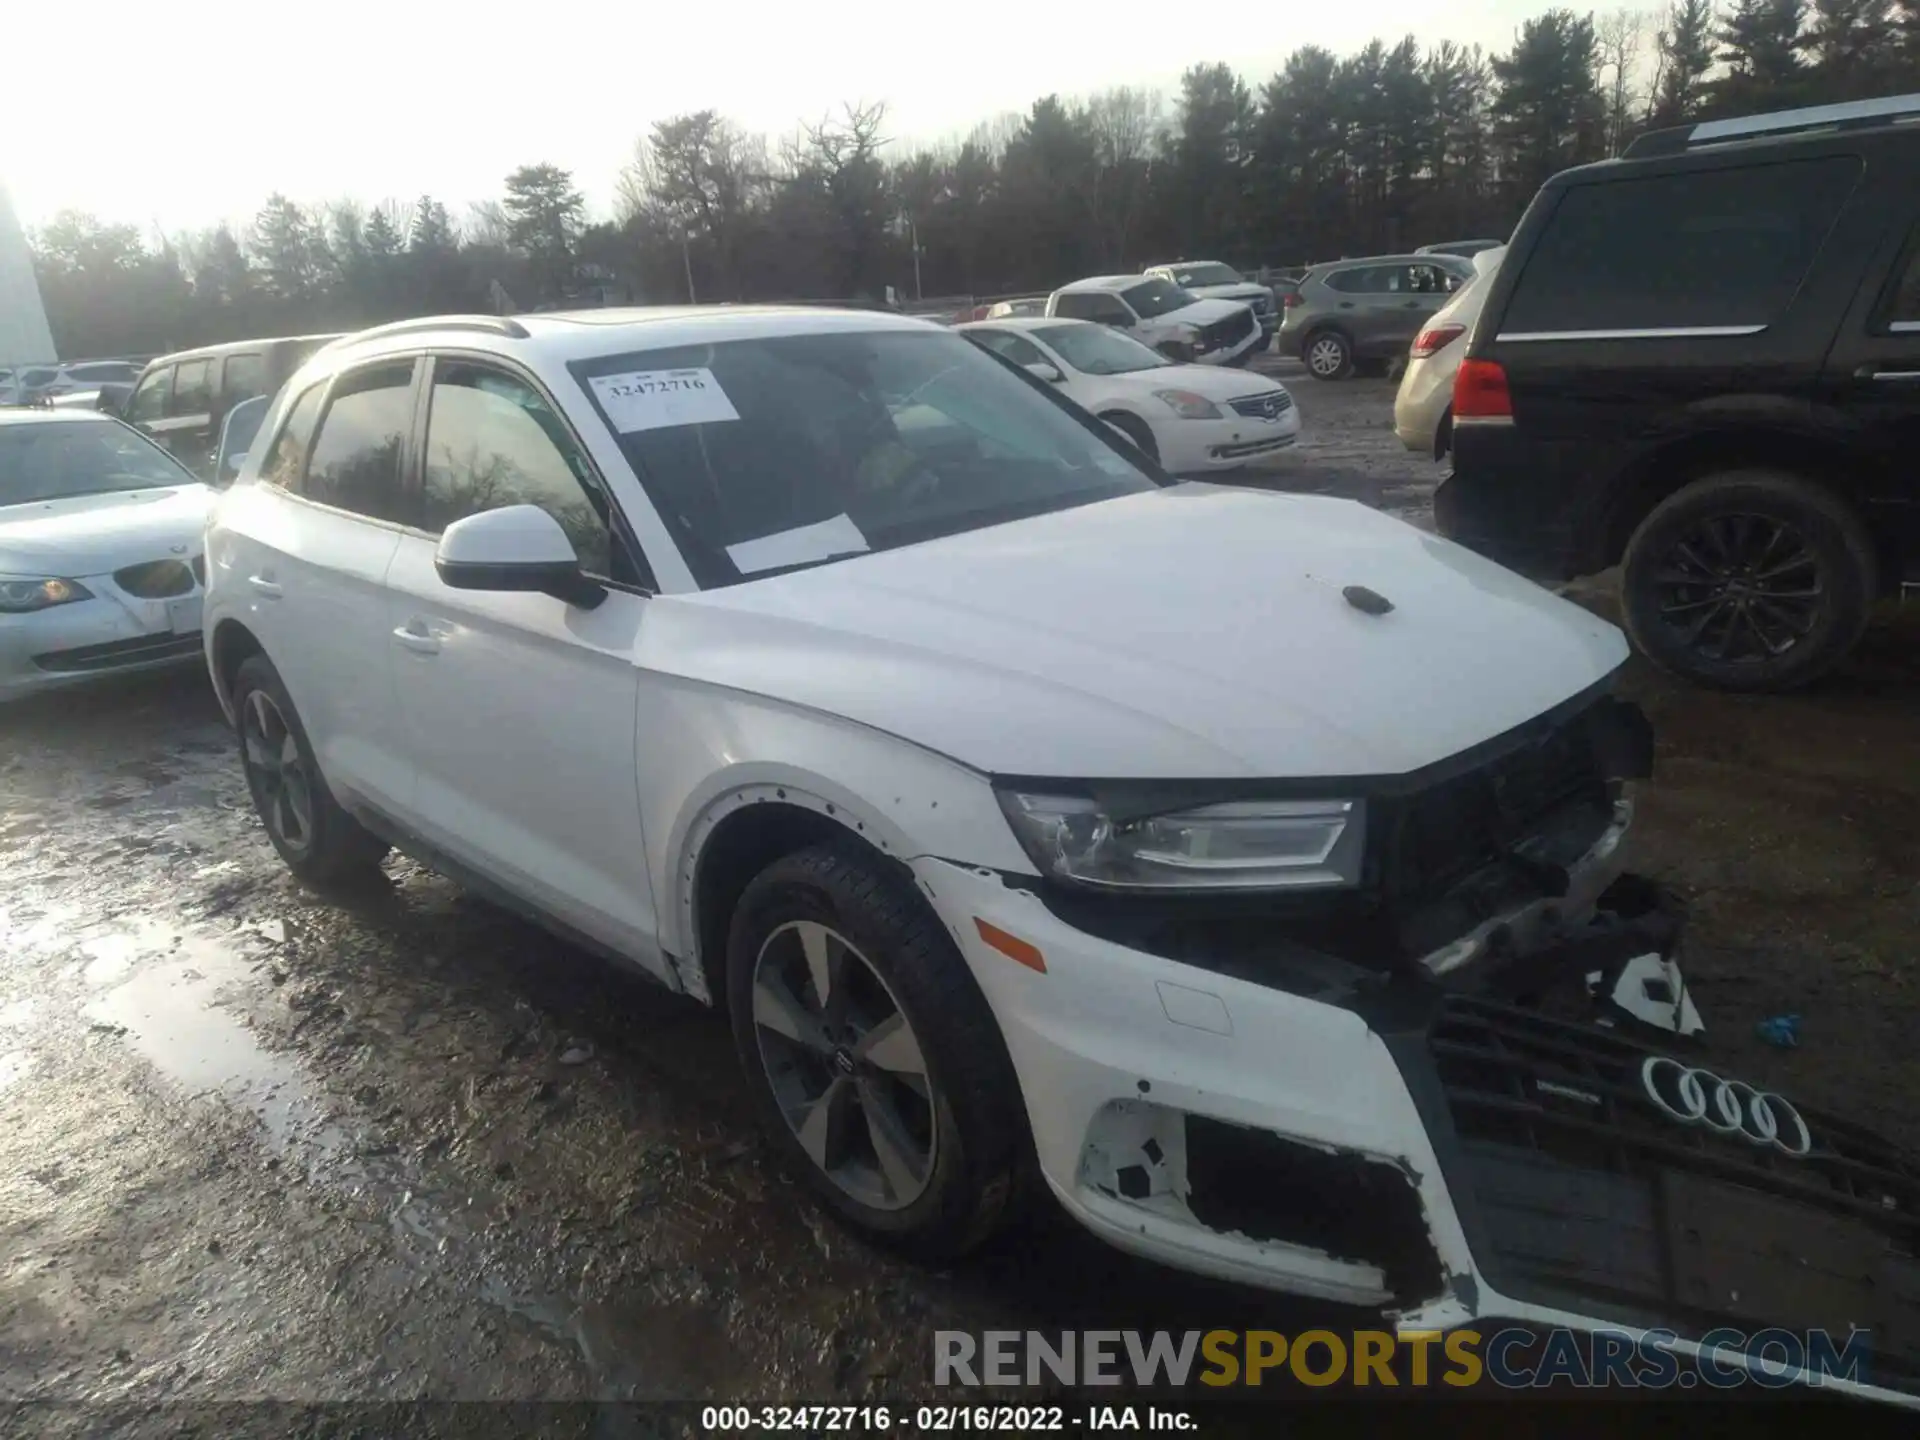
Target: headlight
18,594
1189,406
1239,845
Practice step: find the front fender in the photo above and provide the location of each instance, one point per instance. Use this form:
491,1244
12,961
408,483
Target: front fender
704,752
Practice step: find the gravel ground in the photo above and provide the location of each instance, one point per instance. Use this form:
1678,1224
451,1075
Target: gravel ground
259,1144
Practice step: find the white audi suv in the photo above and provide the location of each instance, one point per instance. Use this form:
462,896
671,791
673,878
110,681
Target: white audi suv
1031,816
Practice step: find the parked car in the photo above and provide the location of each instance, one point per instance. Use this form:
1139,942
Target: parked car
990,784
100,551
1190,418
1162,316
1211,280
1361,312
1423,406
181,399
1004,309
1466,249
1712,346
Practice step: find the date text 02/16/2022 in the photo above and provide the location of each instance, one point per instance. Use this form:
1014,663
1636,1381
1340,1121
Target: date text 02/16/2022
940,1419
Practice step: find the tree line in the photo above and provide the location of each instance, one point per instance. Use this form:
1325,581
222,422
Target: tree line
1390,147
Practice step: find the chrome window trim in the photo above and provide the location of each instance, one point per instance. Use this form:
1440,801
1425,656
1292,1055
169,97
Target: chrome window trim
1677,332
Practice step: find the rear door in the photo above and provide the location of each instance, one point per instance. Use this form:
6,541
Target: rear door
147,406
520,710
308,546
1872,385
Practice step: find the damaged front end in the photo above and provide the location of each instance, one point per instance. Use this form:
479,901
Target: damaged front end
1509,1133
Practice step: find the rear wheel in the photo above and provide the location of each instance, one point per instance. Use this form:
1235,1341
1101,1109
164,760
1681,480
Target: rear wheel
1749,580
878,1067
320,842
1328,354
1136,430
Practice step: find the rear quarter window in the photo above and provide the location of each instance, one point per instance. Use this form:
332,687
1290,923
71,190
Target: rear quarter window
1690,250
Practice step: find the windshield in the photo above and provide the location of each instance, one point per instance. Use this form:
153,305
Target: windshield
88,457
774,454
1155,297
1099,349
1210,273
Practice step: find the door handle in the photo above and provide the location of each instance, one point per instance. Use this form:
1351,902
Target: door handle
262,585
1346,304
417,641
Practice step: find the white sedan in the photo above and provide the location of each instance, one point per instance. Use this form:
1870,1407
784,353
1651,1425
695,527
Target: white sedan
1191,418
100,551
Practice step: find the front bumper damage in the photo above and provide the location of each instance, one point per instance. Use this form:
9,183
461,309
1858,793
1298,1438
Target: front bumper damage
1459,1139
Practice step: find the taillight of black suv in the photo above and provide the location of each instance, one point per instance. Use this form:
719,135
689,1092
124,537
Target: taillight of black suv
1702,363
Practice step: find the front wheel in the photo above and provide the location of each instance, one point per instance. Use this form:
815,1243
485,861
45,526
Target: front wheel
876,1063
1136,430
1749,580
1328,356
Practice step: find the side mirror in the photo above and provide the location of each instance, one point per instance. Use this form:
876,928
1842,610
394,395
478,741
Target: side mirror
1045,370
517,547
112,398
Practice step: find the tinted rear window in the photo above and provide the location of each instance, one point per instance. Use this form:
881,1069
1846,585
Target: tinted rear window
1712,248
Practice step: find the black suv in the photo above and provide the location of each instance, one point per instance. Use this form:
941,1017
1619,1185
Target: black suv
1703,360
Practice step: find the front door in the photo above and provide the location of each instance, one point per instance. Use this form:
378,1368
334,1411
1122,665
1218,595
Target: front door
521,709
1872,386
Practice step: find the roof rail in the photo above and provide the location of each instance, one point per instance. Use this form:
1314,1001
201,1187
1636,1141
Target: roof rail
1852,115
491,324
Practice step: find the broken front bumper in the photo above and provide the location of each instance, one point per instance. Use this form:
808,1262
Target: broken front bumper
1332,1139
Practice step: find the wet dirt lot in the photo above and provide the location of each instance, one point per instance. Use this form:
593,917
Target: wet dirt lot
258,1143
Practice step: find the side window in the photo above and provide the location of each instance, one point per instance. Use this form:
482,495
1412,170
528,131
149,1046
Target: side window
282,465
1111,310
244,378
1075,307
1903,316
355,463
1348,282
493,441
1694,250
149,402
1017,348
192,388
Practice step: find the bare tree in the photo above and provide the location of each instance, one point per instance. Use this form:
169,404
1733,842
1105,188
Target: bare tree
1621,38
1127,126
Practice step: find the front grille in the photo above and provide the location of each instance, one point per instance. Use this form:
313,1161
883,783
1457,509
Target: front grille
1270,406
157,579
1230,331
1431,840
1580,1186
115,653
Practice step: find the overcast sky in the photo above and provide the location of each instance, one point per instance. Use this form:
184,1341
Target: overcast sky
188,115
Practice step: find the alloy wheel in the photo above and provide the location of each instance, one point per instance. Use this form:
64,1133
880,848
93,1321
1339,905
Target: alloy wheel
1326,355
282,786
1740,588
847,1071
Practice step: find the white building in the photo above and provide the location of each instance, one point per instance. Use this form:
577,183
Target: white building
24,337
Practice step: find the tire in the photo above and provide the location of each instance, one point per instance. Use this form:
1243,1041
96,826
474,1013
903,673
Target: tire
321,843
960,1152
1136,430
1753,580
1328,355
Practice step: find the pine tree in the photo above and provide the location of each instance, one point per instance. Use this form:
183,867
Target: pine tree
1686,56
431,231
1761,44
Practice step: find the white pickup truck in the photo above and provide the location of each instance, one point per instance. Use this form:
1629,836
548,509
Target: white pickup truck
1160,314
1211,280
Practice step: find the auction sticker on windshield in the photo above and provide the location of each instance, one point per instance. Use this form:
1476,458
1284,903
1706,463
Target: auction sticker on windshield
659,399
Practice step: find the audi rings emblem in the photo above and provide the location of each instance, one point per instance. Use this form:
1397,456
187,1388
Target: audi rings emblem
1728,1107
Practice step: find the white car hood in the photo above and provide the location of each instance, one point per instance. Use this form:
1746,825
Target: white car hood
1240,293
1195,632
92,534
1201,312
1215,382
